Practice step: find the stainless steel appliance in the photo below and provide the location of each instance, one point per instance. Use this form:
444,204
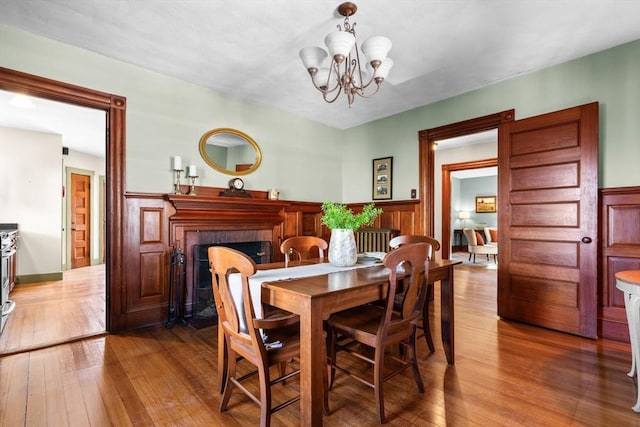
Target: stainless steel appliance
9,246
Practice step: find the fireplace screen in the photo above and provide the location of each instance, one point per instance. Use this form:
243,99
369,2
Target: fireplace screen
203,305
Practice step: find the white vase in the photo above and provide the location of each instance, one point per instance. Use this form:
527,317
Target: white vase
342,248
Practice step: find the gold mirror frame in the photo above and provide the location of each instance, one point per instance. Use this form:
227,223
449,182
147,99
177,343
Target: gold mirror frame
207,158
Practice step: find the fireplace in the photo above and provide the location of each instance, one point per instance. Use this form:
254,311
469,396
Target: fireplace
251,225
203,310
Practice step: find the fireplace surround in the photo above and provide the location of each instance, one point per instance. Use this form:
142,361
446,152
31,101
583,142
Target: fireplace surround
207,219
203,305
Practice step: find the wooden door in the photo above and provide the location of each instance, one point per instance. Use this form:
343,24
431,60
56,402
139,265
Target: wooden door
548,211
80,220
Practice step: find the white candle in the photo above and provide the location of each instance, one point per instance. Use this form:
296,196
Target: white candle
177,163
192,170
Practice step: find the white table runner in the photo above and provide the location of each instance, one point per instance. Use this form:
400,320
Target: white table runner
261,276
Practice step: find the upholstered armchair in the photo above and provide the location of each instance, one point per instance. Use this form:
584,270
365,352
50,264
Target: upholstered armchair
477,245
491,235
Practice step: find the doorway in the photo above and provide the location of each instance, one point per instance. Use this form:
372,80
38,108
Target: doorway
547,189
115,108
67,142
468,174
428,141
448,171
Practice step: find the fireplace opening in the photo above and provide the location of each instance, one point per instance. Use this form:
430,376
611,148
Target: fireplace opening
204,312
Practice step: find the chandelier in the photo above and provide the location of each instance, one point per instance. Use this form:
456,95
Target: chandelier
346,73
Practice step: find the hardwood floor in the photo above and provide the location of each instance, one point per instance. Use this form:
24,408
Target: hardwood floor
506,374
53,312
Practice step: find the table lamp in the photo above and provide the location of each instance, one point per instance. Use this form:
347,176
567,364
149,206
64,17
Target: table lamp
464,216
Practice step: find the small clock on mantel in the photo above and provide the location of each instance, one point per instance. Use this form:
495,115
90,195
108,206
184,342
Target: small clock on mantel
236,189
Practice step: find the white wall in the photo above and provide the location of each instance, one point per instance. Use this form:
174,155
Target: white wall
30,193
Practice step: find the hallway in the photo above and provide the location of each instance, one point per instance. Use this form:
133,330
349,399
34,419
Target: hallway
53,312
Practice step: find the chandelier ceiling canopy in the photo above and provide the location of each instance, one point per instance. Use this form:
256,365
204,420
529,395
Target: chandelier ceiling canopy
345,72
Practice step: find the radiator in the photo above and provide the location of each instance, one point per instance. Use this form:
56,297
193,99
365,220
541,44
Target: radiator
374,239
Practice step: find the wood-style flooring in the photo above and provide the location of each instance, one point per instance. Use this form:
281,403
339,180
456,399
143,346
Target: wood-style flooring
59,311
506,374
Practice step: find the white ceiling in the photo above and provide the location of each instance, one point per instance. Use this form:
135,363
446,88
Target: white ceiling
250,48
82,129
475,173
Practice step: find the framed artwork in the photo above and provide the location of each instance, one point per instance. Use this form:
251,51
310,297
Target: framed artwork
485,204
382,169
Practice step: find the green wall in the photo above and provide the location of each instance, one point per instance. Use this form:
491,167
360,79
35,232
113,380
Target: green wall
610,77
309,161
166,117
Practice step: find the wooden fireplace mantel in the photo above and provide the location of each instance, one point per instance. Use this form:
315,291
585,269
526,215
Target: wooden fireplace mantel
216,213
185,202
231,210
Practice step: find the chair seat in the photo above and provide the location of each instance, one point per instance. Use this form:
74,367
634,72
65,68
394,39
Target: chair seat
362,322
288,336
490,249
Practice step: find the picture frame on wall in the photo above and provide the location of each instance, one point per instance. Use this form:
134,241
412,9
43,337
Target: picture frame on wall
382,178
485,204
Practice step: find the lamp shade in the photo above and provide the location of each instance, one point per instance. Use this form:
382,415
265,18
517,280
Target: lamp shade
376,48
339,44
464,215
383,70
321,78
312,56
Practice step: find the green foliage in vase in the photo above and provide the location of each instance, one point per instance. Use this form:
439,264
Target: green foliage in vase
338,216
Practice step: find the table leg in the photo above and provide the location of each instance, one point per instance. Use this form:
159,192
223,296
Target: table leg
628,305
635,338
446,316
312,365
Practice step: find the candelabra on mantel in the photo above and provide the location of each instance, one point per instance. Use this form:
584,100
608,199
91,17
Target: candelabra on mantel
176,185
177,170
191,172
192,189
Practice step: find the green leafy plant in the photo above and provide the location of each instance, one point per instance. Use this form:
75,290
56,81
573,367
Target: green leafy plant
338,216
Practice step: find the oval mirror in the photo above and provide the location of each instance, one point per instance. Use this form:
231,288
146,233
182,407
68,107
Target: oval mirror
230,151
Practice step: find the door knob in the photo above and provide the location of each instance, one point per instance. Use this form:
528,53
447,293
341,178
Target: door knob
586,240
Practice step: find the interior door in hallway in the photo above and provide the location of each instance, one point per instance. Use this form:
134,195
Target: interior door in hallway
548,194
80,220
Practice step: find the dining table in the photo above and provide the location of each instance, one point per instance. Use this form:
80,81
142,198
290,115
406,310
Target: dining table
316,297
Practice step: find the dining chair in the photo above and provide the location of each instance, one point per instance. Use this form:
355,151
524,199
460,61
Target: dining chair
381,327
304,247
243,333
404,239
